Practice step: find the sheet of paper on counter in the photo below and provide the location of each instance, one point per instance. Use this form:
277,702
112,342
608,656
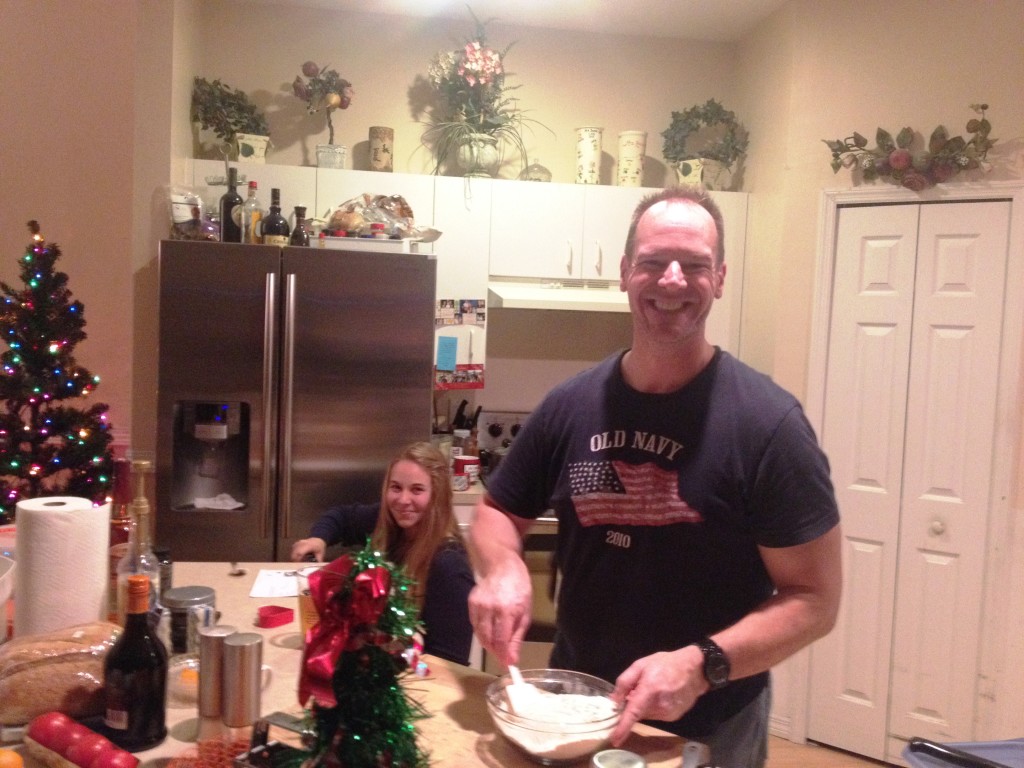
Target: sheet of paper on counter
275,584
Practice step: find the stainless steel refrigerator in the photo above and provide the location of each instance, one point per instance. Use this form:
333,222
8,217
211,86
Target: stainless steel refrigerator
288,378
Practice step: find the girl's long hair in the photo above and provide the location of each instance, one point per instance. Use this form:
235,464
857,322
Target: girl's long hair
415,548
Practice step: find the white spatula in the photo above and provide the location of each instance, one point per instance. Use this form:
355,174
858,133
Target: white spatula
522,696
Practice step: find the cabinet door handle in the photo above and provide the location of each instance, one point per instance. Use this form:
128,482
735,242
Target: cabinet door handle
600,257
568,253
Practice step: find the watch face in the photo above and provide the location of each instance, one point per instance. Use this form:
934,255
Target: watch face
716,664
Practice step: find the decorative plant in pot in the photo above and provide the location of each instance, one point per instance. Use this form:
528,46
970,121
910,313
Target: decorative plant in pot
324,90
232,117
703,143
473,111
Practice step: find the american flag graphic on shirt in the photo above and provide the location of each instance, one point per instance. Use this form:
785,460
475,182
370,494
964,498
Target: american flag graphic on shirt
614,492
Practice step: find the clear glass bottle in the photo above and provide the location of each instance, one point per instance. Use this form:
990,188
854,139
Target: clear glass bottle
252,215
230,214
300,233
120,528
139,557
135,676
274,226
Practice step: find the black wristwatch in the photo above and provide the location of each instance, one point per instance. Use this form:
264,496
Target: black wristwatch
716,663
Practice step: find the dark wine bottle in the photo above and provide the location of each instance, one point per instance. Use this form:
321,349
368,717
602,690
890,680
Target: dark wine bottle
275,226
300,233
231,211
135,677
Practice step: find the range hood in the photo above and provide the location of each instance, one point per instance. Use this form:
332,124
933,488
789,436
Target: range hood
547,295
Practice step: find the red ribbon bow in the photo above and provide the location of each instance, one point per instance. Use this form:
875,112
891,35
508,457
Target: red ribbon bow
343,623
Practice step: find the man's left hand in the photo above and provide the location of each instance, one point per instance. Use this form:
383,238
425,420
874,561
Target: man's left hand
662,686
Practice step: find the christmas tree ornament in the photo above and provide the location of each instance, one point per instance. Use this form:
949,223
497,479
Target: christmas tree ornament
353,662
48,446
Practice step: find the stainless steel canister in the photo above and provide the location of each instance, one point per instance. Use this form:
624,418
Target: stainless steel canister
242,679
211,665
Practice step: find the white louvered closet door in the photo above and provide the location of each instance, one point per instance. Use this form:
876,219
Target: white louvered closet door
908,426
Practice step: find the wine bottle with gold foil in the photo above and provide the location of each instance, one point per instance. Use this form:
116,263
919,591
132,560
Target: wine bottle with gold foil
135,677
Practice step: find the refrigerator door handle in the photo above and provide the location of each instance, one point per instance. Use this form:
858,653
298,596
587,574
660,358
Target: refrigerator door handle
269,402
287,392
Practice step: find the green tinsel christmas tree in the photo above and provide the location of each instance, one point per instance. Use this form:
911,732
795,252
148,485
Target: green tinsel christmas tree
48,446
371,722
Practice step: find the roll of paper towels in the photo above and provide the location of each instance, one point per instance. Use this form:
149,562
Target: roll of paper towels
62,544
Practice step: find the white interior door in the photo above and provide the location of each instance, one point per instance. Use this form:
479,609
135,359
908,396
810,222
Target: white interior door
862,433
908,425
951,417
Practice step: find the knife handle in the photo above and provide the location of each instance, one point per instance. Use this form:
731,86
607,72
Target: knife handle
952,755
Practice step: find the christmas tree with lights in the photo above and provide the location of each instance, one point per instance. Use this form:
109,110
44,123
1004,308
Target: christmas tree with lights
49,445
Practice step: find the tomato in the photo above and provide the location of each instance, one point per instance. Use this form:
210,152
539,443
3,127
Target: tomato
117,758
52,730
88,748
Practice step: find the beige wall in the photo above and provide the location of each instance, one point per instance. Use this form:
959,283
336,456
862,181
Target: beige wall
114,77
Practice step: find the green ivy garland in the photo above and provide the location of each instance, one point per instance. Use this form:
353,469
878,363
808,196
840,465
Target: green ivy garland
711,114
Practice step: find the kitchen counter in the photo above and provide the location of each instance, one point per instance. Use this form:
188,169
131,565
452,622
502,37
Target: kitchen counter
458,733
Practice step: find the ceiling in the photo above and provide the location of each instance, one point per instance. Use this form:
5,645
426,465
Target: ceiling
712,20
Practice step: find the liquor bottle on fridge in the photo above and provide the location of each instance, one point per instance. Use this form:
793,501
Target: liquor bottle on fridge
252,214
139,558
120,528
300,234
135,677
230,213
275,226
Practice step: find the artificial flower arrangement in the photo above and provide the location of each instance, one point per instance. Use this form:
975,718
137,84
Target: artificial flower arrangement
473,96
907,162
323,90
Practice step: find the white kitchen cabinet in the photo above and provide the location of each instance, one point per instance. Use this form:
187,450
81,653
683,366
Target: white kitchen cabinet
536,231
910,397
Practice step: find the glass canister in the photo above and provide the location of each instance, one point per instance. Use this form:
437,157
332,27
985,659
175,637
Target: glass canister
188,609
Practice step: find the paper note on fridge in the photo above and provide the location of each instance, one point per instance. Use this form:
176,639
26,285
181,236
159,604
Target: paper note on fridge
447,351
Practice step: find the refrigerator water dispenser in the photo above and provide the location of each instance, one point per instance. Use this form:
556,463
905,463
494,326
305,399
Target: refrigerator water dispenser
210,455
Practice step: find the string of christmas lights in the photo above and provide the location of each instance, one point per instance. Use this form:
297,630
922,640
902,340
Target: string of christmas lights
48,446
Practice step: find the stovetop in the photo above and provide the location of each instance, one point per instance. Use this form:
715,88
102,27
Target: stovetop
496,429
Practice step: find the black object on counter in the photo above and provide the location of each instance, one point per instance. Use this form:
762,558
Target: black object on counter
951,755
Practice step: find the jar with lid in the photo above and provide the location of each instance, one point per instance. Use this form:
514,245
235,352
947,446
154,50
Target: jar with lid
188,609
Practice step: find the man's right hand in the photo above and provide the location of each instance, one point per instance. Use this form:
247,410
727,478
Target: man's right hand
499,609
500,603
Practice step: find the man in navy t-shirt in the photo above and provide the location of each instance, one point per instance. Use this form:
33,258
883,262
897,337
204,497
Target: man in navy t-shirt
699,540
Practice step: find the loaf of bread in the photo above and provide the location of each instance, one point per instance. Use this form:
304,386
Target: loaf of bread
60,670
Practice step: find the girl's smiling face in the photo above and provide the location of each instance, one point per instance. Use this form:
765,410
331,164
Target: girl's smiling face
408,493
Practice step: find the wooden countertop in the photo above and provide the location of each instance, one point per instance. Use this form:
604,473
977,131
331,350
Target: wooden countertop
458,733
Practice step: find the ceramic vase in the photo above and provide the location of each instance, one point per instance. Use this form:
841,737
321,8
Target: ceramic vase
382,148
330,155
632,147
252,148
588,155
478,156
689,171
716,175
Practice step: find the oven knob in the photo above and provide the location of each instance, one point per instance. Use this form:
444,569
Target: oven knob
515,429
495,429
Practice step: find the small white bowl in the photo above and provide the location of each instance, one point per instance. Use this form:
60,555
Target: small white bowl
557,740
